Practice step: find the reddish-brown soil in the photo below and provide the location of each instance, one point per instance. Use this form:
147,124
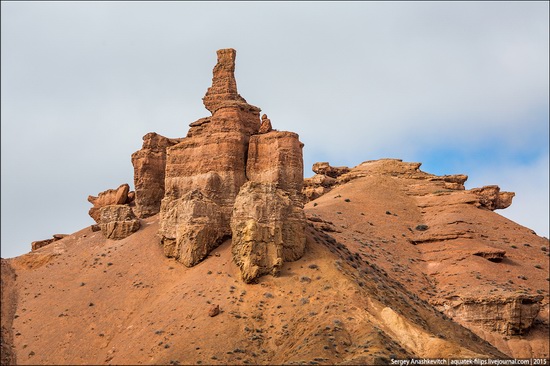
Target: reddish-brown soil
367,290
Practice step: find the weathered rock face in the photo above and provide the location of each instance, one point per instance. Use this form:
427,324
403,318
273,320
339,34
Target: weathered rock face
149,170
212,158
324,168
119,196
205,172
117,221
268,227
223,91
512,315
491,254
492,198
276,157
191,227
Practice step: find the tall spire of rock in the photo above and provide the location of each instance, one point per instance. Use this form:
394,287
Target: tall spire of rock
223,91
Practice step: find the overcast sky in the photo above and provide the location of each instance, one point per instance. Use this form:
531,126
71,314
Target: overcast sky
460,86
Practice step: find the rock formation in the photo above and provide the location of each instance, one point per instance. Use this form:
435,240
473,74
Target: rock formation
268,227
324,168
119,196
117,221
265,127
205,173
511,315
149,167
42,243
113,214
192,226
492,198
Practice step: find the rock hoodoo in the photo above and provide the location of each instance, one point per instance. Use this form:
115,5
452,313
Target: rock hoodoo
149,167
198,183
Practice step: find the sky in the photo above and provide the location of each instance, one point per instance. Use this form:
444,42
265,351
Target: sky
462,87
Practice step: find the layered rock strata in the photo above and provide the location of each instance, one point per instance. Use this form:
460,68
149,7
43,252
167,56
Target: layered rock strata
205,173
118,221
268,223
149,168
511,315
113,213
120,196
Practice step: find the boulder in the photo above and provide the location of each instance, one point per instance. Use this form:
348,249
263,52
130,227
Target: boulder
117,221
119,196
265,126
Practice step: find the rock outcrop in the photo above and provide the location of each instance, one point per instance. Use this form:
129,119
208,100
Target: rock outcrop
492,198
510,315
149,168
491,254
206,172
268,227
191,227
42,243
324,168
117,221
119,196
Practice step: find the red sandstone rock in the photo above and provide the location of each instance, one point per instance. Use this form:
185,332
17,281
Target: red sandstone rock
42,243
119,196
491,254
205,173
265,127
276,157
331,171
223,91
149,171
213,311
492,198
510,315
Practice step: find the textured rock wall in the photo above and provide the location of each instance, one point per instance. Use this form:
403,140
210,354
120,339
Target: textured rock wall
512,315
268,227
211,163
119,196
206,194
149,172
276,157
117,221
191,227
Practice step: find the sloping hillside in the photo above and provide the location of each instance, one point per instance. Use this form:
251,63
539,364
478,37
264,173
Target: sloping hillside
368,288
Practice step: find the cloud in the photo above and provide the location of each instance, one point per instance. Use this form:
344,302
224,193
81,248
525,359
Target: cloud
460,86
